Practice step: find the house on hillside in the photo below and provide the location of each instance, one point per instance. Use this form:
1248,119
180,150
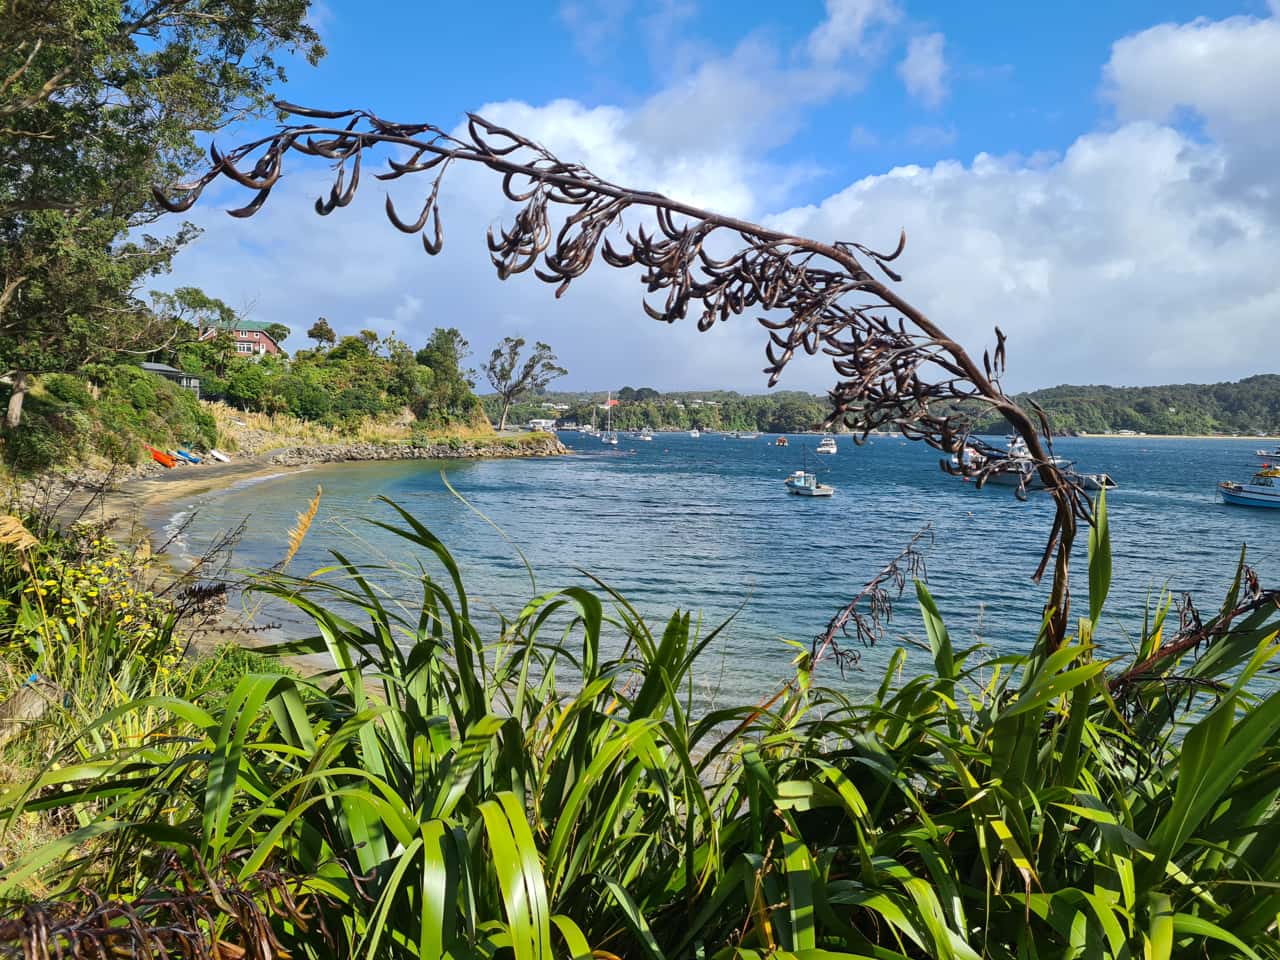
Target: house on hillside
250,337
185,380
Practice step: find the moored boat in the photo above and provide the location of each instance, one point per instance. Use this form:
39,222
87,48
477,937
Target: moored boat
827,445
694,433
1261,491
1097,481
645,434
781,442
806,484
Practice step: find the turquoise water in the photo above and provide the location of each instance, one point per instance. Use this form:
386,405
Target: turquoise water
706,525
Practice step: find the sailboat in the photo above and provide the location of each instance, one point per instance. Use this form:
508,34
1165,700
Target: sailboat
609,436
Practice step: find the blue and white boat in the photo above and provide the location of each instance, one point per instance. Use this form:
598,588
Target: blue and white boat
1261,491
806,484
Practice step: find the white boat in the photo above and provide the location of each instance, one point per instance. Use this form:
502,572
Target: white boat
806,484
1097,481
1262,491
1269,454
645,434
609,436
968,457
219,456
694,433
827,445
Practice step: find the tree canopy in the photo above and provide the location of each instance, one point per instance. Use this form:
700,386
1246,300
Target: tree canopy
513,379
98,101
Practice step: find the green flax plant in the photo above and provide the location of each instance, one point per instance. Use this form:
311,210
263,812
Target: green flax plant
552,793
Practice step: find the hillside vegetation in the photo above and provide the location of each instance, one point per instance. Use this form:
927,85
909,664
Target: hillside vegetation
1249,406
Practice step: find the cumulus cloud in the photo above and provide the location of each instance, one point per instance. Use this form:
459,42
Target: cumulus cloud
924,69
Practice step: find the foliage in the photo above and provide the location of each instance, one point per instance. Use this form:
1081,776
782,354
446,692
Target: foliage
1248,406
322,333
513,379
99,101
108,411
556,792
359,377
778,412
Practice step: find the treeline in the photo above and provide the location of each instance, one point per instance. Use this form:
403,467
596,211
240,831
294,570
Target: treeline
343,380
1248,406
781,412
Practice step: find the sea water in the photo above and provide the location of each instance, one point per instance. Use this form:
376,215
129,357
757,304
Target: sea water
705,525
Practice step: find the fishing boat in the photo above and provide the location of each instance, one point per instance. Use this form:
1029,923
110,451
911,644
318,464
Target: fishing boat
1261,491
827,445
162,458
805,484
781,442
694,433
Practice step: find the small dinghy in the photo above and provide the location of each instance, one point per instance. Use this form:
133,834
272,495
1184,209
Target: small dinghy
162,458
219,456
187,455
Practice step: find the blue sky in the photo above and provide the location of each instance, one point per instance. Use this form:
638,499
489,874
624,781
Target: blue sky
1100,179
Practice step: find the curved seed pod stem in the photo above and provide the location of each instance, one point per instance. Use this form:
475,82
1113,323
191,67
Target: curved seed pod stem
896,366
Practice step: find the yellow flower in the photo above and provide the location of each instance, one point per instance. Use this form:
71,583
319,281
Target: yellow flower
71,620
127,617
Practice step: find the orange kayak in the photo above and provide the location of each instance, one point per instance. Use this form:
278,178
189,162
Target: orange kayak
162,458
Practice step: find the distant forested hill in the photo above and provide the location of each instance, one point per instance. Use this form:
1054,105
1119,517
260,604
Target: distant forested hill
1249,406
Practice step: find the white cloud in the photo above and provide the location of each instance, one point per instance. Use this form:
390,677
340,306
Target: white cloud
1226,71
847,27
924,69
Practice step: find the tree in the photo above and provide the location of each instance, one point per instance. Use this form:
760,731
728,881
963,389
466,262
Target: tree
511,379
322,333
98,101
447,395
278,332
81,306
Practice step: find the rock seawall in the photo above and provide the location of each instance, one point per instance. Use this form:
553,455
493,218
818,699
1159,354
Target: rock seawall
459,450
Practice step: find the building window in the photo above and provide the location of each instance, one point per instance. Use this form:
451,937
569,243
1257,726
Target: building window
256,334
244,348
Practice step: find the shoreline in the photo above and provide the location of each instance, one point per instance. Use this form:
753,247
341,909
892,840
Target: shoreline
123,507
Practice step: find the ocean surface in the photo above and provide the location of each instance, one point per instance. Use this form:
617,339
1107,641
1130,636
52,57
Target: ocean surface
706,525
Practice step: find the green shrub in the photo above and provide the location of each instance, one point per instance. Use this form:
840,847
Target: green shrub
67,388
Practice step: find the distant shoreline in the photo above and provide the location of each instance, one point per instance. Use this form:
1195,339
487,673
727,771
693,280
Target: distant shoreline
1172,436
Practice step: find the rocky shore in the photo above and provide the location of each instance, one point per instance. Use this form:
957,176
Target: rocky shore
500,447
